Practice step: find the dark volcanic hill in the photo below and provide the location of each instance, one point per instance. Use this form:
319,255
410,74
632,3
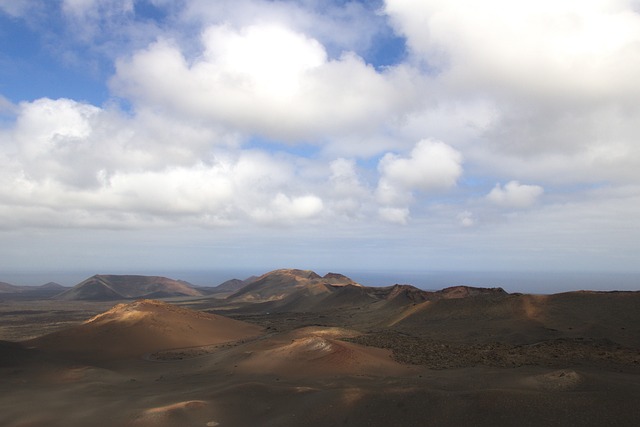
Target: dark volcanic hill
7,287
117,287
455,314
52,286
454,292
487,315
280,284
28,293
293,290
234,285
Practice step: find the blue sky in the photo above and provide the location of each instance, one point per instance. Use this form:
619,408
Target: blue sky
392,136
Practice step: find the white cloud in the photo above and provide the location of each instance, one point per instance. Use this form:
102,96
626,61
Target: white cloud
538,92
534,49
69,141
183,191
467,219
90,12
204,195
66,156
50,135
105,167
339,25
267,79
558,77
283,208
45,124
515,195
344,177
348,195
6,106
19,8
92,19
394,215
431,166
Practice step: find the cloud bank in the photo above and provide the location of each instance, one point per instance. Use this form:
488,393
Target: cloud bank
332,116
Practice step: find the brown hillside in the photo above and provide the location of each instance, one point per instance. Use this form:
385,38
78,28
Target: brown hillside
526,319
116,287
131,330
278,284
7,287
317,351
232,285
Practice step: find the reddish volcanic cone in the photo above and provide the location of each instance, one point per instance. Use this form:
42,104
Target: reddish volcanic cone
145,326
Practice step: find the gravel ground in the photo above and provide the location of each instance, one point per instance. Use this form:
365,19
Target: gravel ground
552,353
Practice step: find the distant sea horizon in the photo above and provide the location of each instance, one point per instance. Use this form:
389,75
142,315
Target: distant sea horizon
541,282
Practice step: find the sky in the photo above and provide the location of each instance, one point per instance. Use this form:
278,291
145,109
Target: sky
389,136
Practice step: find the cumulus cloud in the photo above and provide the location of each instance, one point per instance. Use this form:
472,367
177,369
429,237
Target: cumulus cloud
182,191
394,215
557,75
515,195
102,166
341,26
266,79
534,49
69,141
249,114
344,177
348,193
431,166
283,209
49,135
205,195
66,156
467,219
6,106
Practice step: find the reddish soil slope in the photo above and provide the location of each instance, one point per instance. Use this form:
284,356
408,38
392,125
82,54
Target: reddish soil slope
132,330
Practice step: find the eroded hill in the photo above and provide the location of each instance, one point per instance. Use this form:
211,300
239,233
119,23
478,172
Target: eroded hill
112,287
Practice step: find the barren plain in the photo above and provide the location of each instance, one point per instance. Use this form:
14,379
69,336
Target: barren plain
292,348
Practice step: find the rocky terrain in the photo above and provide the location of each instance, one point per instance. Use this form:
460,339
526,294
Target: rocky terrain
294,348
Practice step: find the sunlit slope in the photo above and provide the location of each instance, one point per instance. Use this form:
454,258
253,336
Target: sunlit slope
131,330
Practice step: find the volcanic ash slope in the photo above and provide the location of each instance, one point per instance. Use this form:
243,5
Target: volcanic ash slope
145,326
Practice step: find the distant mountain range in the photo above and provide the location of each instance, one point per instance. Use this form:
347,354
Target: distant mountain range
106,287
281,290
291,290
51,286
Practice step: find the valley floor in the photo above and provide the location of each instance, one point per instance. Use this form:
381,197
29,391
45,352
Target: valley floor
315,369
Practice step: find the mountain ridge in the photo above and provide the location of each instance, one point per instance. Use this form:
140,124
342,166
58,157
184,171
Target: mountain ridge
278,284
107,287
